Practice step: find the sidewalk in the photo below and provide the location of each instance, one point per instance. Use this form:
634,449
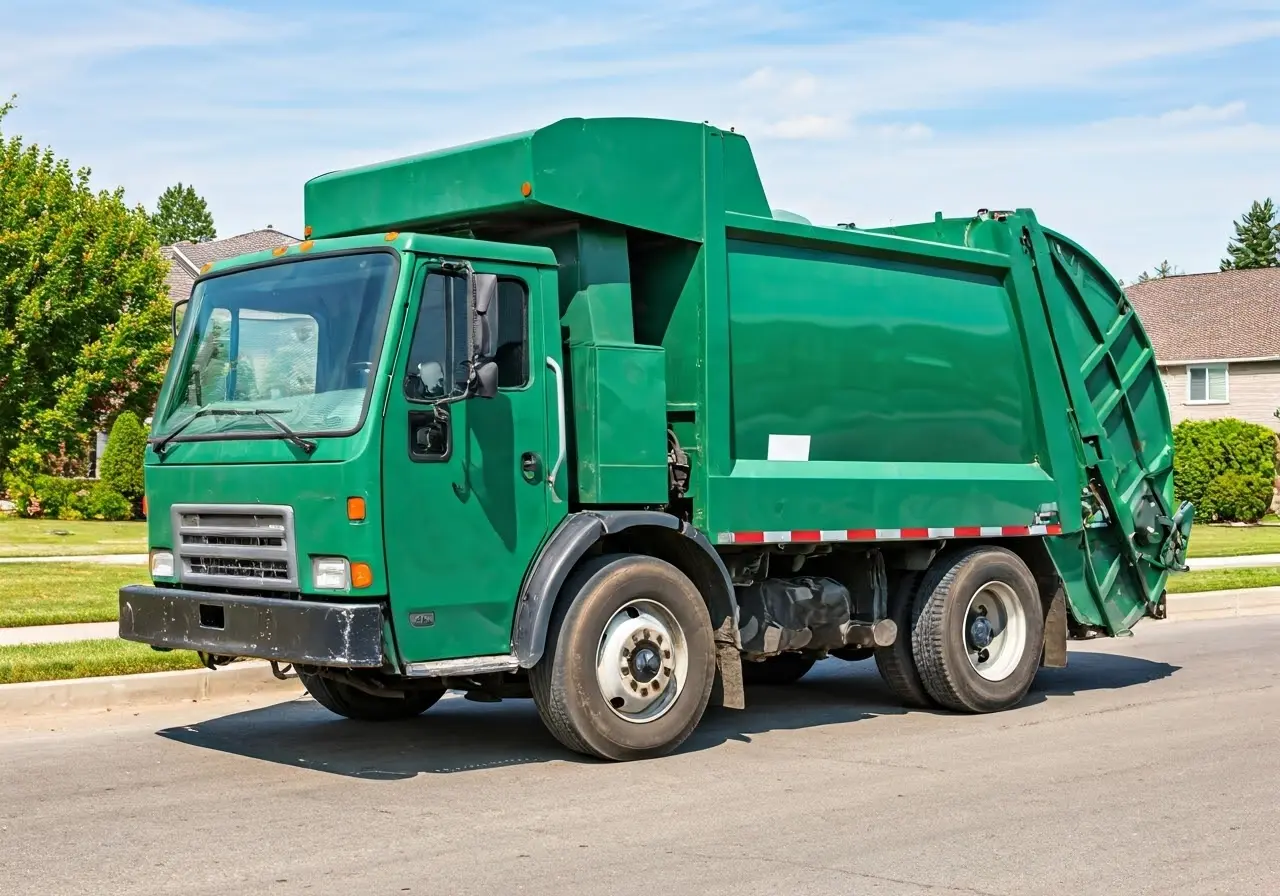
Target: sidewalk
105,559
1197,563
51,634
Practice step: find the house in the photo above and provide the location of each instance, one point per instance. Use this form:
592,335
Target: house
187,258
1217,342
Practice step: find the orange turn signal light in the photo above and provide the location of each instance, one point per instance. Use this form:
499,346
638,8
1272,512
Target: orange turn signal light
361,575
355,509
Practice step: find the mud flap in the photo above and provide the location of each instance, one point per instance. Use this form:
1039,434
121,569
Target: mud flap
1054,655
728,690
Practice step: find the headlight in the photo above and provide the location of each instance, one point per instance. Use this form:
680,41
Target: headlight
162,564
330,573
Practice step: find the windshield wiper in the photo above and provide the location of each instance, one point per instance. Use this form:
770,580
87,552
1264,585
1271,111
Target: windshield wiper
161,443
305,444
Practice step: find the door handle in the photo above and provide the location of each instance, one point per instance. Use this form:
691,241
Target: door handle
530,464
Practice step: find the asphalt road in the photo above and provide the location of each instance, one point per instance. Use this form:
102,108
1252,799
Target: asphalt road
1151,765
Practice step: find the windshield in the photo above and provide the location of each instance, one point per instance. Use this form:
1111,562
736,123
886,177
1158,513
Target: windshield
297,341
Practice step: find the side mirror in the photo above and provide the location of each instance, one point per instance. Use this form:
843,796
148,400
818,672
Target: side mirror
176,320
486,380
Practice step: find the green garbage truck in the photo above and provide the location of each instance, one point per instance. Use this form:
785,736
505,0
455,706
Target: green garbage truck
574,415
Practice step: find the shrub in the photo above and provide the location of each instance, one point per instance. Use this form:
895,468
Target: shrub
105,503
122,460
1206,451
1237,496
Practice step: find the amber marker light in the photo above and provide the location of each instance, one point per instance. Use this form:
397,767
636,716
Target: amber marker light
526,189
208,265
279,250
361,575
392,236
305,245
306,231
355,509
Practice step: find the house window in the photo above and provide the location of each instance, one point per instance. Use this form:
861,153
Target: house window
1207,384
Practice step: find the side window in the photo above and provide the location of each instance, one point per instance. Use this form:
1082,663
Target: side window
439,345
512,355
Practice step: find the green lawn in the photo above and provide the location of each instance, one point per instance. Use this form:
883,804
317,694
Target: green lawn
1234,541
87,659
57,593
1222,580
55,538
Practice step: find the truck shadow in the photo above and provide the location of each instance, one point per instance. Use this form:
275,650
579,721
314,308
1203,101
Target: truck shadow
457,735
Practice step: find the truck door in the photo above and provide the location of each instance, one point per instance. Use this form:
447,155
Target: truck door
466,505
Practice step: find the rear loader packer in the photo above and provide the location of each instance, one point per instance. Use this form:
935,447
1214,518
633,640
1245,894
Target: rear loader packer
571,414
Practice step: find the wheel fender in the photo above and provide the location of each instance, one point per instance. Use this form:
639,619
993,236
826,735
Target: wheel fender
569,543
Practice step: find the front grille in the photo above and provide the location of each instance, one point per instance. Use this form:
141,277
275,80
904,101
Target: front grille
238,546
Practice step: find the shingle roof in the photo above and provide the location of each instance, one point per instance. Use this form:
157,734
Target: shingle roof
186,259
1205,317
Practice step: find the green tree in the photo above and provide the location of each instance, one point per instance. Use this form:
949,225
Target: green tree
1257,240
1163,269
84,317
182,214
121,466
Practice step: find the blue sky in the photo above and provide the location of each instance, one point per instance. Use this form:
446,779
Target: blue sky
1141,129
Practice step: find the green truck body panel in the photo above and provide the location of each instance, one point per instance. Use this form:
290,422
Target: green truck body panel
960,378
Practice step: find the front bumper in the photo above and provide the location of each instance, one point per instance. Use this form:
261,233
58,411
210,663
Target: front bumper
305,632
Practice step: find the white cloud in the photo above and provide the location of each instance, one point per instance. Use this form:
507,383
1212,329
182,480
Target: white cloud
808,127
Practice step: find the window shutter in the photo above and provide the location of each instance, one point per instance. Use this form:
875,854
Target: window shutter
1197,388
1217,383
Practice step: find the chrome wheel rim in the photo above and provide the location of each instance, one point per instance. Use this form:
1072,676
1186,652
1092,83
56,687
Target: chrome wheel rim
642,661
995,631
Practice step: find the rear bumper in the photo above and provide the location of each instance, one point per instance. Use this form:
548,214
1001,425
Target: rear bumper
305,632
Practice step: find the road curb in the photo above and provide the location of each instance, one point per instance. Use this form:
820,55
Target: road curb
1223,604
124,691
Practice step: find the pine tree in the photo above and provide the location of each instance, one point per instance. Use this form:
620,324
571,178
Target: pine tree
1257,240
1163,269
182,214
121,465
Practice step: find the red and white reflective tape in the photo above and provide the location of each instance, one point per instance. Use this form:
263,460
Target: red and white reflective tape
810,536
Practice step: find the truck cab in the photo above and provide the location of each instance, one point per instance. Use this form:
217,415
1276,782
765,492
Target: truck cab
573,415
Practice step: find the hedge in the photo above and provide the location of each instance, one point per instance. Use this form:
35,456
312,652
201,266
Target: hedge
55,497
1226,468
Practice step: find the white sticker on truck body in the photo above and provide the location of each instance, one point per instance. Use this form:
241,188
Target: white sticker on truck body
788,447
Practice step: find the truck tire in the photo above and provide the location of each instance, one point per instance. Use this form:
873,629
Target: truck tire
979,630
629,661
896,663
344,700
783,669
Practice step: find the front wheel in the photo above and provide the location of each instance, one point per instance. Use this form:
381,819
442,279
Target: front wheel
629,661
979,630
342,699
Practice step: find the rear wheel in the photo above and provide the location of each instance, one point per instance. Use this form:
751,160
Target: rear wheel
629,661
783,669
345,700
979,630
896,663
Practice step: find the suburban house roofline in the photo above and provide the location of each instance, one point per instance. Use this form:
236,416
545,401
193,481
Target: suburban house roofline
1258,360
